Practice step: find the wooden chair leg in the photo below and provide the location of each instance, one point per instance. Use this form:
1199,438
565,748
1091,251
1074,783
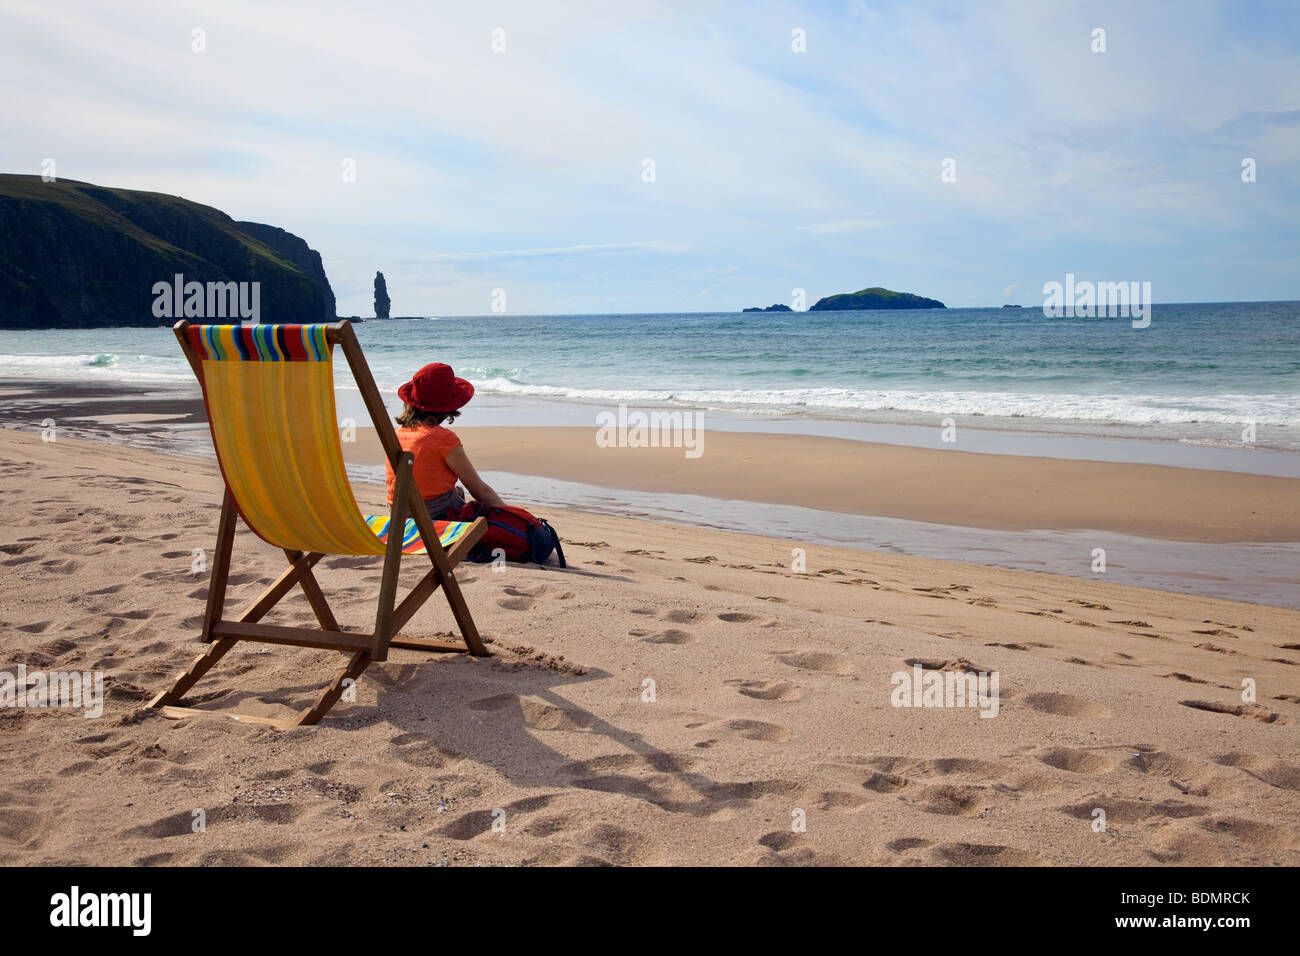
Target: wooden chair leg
279,588
330,695
443,564
464,620
444,574
315,596
188,678
392,560
220,565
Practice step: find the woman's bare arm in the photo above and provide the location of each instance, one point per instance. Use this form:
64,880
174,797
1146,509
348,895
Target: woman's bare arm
459,463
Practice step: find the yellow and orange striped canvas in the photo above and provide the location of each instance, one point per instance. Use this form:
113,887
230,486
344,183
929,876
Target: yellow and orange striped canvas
269,392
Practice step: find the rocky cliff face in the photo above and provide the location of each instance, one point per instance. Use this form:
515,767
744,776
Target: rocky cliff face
74,255
296,250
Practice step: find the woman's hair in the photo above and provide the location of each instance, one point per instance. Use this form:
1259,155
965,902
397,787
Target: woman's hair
418,416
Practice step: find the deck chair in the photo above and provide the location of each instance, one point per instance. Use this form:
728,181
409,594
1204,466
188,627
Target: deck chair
269,394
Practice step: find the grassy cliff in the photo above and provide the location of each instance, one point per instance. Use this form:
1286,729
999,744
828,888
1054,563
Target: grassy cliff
74,255
874,298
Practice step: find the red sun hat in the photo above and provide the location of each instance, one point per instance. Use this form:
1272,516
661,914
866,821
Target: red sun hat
435,388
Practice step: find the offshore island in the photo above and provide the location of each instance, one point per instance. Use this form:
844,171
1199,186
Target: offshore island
862,300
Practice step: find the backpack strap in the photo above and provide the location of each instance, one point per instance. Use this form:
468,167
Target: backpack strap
505,527
555,538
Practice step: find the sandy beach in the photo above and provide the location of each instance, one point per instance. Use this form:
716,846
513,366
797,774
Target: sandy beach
1014,493
676,696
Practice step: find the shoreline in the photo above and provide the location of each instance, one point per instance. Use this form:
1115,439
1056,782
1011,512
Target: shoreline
960,488
1225,534
1217,449
946,485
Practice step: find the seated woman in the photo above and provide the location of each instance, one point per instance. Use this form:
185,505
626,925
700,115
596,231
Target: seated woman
434,395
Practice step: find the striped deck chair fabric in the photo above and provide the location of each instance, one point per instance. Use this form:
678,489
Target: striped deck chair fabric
269,393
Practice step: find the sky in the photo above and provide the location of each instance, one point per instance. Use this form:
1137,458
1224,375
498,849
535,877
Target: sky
692,156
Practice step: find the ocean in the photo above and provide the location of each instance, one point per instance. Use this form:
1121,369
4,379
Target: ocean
1184,392
1203,373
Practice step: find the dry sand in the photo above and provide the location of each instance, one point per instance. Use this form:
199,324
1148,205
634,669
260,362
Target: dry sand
771,702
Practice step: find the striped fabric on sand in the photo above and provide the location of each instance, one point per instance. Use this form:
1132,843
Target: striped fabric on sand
449,532
269,393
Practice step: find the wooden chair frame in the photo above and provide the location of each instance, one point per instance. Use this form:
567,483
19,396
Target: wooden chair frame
222,633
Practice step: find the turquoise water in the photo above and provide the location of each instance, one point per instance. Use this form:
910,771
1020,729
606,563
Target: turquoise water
1199,373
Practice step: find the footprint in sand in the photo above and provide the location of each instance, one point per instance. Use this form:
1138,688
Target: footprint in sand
114,588
1123,810
816,661
524,592
759,730
903,844
628,763
421,752
58,647
779,840
983,854
1065,705
536,714
1249,711
840,800
1252,833
1186,776
958,664
767,690
20,826
669,636
616,845
1076,761
986,773
741,617
945,799
468,825
679,616
516,603
1239,627
177,824
1186,678
1214,648
544,827
1269,770
883,782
